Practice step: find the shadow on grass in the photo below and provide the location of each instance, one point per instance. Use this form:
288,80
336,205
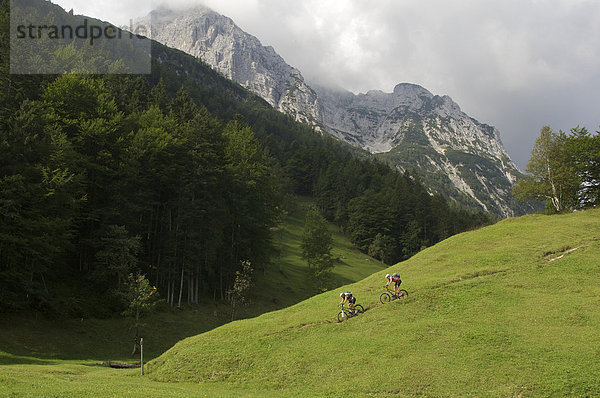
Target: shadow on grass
9,359
25,339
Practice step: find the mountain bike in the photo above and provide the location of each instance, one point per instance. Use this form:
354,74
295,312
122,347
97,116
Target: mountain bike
389,295
346,312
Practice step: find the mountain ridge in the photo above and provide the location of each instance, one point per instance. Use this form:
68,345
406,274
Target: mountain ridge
411,128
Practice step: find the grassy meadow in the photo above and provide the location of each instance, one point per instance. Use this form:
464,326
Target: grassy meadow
508,310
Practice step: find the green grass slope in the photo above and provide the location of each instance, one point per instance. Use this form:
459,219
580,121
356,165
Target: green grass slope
286,281
509,310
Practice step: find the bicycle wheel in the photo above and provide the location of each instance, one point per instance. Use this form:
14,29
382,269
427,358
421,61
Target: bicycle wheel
402,293
342,316
359,308
385,298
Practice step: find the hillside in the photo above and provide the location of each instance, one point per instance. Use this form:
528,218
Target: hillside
181,172
286,281
511,309
44,337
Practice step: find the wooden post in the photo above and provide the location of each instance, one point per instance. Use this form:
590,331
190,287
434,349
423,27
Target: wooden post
142,355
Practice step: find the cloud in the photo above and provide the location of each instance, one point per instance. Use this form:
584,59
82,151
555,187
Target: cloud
515,64
118,12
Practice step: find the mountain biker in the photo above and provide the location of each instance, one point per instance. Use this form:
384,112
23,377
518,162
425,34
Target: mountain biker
395,277
347,297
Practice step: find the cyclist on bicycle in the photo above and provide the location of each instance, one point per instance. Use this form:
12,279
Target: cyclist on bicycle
395,277
347,297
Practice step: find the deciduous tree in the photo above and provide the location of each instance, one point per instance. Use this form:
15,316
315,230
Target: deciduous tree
238,294
550,174
140,298
584,150
316,247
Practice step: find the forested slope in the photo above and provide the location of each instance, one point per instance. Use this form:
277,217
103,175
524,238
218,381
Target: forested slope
178,176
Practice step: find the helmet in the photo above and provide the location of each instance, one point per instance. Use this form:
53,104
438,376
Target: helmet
342,294
387,276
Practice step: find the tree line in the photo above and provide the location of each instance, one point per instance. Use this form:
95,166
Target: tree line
91,191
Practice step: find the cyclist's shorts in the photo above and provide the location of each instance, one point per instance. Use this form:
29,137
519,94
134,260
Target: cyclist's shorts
352,300
398,282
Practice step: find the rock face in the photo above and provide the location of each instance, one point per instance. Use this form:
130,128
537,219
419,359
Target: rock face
378,120
417,131
454,154
219,42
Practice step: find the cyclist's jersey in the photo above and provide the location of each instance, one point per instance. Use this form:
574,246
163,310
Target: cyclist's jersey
349,297
396,278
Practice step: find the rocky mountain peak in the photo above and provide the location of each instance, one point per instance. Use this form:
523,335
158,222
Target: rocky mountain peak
218,41
410,89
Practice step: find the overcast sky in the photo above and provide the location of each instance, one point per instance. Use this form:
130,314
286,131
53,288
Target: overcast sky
514,64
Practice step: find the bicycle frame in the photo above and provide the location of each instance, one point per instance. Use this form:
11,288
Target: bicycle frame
389,295
391,292
347,312
347,309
